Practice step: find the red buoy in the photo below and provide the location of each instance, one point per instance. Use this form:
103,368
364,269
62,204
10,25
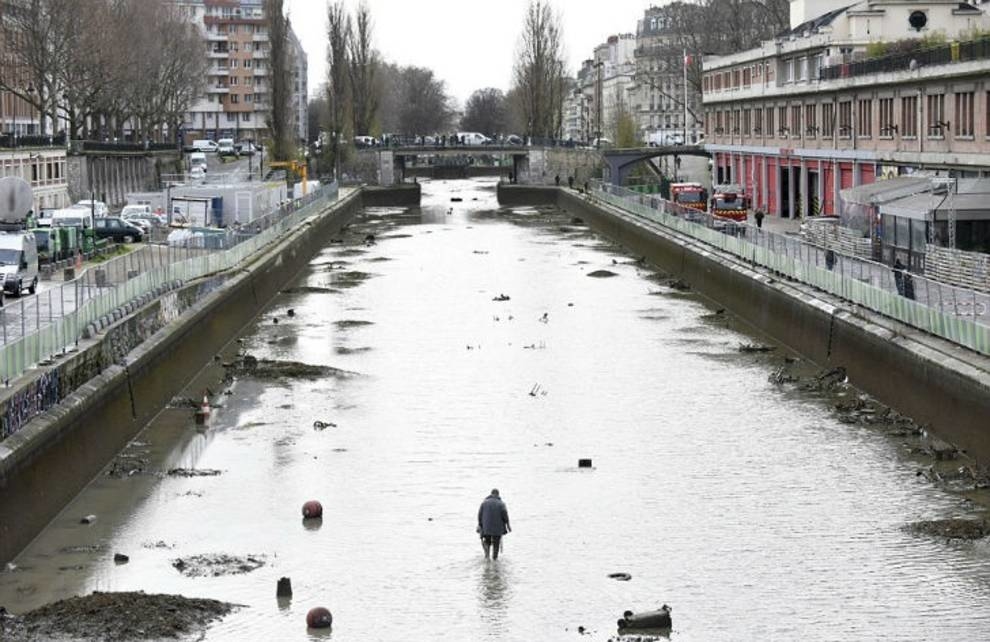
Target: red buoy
319,618
312,509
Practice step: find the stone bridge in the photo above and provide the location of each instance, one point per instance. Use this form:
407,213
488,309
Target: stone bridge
527,164
619,162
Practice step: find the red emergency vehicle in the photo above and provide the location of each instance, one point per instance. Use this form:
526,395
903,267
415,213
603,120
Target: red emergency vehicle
729,202
691,195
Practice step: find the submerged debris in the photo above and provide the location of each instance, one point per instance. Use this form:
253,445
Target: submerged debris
602,274
501,297
217,565
952,528
194,472
250,366
308,289
115,616
755,347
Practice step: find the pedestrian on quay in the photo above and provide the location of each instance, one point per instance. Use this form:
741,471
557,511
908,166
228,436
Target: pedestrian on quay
759,218
493,523
899,276
556,179
570,182
829,259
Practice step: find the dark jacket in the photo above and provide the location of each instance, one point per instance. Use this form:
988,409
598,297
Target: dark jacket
493,517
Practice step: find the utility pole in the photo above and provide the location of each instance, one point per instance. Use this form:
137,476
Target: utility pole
685,60
598,103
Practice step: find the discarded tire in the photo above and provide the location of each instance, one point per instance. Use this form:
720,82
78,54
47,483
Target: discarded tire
319,618
312,509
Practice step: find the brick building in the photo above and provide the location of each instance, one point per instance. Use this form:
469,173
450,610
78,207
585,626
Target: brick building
236,103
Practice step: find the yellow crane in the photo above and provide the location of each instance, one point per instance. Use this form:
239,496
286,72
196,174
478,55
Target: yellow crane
298,167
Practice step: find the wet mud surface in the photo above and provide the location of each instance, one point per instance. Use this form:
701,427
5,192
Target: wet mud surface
115,616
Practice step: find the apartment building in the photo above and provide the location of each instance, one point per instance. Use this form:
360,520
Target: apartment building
236,102
827,106
660,88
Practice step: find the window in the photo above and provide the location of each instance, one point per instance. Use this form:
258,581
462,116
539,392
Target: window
233,80
811,120
231,117
936,115
735,122
782,117
758,121
246,116
786,71
746,123
770,128
746,77
864,118
802,68
828,120
234,99
795,128
845,119
909,116
964,114
719,129
886,115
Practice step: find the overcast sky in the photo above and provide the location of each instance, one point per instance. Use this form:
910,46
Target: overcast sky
468,43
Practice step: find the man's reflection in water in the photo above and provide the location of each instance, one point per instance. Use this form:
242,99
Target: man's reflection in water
494,593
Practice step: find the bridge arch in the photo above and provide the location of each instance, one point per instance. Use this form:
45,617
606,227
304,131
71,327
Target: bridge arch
621,161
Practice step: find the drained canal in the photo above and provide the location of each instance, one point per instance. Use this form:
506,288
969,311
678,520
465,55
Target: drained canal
748,507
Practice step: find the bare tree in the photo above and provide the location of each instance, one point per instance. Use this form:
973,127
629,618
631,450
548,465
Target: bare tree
485,112
40,36
279,79
425,104
362,70
338,37
539,70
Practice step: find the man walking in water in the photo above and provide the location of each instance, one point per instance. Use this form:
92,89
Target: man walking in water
493,523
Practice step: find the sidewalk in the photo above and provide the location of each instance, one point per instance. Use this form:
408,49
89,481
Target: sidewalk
779,225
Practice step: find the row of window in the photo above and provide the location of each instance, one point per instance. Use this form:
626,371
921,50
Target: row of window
234,63
40,172
855,118
233,47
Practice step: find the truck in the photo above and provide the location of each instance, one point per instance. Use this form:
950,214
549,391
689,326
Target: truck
729,202
691,195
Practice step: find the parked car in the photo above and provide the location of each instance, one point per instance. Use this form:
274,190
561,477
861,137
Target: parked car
116,228
365,141
45,217
247,148
19,262
602,142
197,159
225,147
512,139
472,139
146,221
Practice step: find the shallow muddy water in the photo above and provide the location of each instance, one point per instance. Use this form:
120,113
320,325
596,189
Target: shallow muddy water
750,509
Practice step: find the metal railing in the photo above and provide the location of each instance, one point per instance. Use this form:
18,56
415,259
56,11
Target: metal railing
13,141
978,49
957,314
79,146
35,328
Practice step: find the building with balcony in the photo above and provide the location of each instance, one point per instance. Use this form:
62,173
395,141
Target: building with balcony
660,89
825,107
236,101
300,89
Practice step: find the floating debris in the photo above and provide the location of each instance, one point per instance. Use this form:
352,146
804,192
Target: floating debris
217,565
602,274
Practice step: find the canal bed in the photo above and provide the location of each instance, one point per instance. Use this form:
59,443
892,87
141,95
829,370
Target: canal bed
750,509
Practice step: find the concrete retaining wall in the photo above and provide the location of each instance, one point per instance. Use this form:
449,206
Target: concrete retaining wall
945,386
55,455
112,176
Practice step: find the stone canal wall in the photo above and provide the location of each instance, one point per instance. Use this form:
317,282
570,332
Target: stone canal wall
115,383
929,379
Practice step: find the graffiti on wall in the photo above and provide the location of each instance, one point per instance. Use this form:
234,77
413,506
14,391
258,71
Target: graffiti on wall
38,396
56,384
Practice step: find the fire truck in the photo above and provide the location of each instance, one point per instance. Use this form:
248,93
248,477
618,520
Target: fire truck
729,202
691,195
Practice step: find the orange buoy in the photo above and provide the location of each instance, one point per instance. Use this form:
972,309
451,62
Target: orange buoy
319,618
312,509
203,412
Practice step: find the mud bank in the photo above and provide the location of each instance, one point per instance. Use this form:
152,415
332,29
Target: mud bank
935,382
51,459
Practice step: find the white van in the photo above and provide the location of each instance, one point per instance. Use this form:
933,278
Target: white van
19,262
225,147
472,138
205,145
197,159
98,208
72,217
